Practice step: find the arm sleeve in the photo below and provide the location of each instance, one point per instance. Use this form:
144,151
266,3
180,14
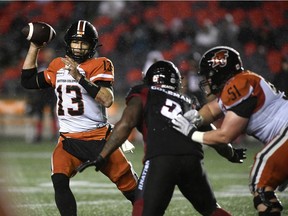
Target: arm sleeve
90,87
104,84
245,108
31,79
94,88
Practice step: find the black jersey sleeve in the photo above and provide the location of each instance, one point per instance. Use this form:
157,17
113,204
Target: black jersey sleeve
104,84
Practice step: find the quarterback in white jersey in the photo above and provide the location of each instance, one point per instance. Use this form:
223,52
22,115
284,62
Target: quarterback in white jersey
83,86
77,110
251,105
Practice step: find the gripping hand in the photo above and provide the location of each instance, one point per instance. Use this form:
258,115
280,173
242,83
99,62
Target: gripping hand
98,163
181,124
238,156
193,117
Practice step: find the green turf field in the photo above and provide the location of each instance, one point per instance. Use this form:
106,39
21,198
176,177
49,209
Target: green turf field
25,173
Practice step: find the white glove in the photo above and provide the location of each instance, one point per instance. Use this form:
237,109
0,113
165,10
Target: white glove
193,117
127,146
181,124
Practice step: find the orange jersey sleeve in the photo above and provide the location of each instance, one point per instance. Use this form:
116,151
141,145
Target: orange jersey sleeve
96,69
241,87
52,70
99,69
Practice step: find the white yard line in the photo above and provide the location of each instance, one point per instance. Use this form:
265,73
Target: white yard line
86,187
40,155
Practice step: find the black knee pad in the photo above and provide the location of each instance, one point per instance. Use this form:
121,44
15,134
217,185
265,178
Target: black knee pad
60,181
265,197
269,214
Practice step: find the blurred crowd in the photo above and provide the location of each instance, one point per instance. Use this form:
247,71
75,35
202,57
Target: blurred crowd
133,33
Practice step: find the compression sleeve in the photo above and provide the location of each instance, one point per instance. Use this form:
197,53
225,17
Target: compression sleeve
31,79
245,108
91,88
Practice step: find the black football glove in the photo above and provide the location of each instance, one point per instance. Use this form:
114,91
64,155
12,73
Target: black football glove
98,163
238,155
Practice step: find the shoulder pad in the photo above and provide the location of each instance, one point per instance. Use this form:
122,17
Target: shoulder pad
135,90
236,90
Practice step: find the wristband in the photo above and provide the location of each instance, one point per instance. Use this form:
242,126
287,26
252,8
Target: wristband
198,136
91,88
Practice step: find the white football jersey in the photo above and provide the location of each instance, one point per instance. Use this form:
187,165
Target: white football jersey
270,115
77,111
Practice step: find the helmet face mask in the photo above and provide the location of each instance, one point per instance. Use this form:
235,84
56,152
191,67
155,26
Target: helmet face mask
217,66
81,31
163,74
205,86
79,48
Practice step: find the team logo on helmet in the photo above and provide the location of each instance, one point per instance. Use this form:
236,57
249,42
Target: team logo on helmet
219,59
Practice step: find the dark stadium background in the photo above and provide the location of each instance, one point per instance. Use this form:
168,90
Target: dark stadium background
129,30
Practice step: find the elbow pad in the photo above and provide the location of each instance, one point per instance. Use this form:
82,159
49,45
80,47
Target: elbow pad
28,78
31,79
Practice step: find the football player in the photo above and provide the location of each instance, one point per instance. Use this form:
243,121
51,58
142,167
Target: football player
250,104
84,88
170,158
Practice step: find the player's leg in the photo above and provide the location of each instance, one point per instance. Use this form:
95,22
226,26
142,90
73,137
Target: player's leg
268,172
64,197
194,185
155,187
120,171
266,202
117,168
62,169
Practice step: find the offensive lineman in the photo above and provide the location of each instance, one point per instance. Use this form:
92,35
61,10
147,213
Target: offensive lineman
249,104
83,85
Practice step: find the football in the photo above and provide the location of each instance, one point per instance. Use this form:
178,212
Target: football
39,32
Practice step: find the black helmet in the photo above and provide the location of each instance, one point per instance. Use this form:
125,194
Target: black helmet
218,65
84,31
165,74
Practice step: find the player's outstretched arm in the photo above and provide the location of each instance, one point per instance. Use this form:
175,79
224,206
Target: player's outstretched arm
31,57
231,154
129,119
98,163
121,131
30,77
189,129
227,151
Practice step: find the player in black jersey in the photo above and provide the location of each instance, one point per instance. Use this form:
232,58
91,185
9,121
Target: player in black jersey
171,159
